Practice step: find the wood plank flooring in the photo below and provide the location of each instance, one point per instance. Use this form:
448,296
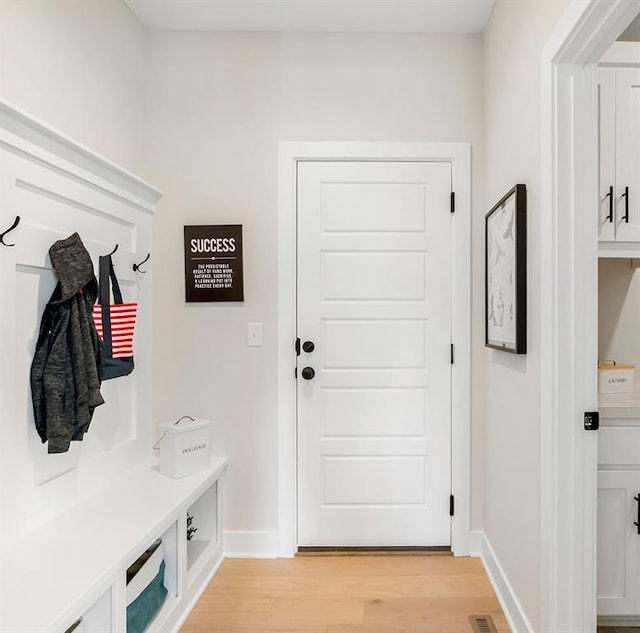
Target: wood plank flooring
346,594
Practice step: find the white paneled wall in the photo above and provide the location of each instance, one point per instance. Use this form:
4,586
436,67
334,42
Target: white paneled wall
58,189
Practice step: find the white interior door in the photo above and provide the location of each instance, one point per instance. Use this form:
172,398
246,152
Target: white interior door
374,298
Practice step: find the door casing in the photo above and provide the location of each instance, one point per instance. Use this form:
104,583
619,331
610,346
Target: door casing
459,156
569,228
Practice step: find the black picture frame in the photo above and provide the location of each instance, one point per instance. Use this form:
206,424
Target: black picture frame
505,295
213,263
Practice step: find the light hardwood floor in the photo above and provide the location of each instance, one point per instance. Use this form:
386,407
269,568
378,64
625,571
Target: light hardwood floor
346,594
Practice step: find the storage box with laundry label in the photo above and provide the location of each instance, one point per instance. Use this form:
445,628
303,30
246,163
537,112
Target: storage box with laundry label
615,377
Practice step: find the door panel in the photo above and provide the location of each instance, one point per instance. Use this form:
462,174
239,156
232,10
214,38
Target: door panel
374,412
607,152
384,480
628,154
374,295
374,345
362,276
618,543
375,207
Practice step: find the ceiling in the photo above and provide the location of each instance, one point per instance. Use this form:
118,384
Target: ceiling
374,16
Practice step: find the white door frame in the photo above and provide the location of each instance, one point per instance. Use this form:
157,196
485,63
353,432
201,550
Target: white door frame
569,310
459,155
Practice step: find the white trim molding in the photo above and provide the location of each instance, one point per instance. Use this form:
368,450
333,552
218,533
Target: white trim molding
568,298
621,54
44,141
511,607
459,155
241,544
620,621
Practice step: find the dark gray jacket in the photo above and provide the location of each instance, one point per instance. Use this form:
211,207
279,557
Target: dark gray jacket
65,384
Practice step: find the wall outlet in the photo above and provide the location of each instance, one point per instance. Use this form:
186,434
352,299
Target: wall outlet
254,334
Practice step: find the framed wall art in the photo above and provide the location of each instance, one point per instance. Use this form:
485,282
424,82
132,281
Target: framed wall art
506,273
213,264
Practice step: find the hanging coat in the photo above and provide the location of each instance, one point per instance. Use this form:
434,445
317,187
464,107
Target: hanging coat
65,384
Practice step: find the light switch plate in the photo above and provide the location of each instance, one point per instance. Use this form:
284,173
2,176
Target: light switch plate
254,334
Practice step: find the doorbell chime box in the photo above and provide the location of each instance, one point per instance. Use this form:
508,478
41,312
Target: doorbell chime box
615,377
184,447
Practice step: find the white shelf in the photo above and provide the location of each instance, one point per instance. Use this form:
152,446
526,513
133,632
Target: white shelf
158,624
76,557
204,511
627,250
195,549
623,406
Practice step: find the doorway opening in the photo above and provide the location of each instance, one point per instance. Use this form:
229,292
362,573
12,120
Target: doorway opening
456,156
569,299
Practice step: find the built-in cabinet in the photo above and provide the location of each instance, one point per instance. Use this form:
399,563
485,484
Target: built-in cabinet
618,534
619,151
618,517
75,567
72,523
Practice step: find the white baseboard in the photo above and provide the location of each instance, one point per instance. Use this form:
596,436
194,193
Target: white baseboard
251,544
511,607
475,543
622,621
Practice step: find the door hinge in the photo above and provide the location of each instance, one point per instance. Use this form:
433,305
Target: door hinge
453,202
297,347
295,373
451,505
452,355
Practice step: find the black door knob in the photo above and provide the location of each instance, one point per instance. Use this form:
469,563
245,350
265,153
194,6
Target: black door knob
308,346
308,373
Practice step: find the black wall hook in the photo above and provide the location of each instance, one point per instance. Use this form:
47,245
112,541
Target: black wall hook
136,267
13,226
113,251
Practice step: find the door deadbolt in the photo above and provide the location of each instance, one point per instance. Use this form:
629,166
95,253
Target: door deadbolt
308,346
308,373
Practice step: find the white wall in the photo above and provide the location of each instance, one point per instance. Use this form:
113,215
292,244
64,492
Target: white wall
618,311
218,104
514,40
79,67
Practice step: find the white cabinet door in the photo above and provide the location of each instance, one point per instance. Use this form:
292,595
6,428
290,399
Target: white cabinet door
374,296
607,152
619,157
628,154
618,543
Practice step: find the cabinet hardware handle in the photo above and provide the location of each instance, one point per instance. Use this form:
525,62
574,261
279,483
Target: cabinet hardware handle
637,523
74,626
610,196
625,195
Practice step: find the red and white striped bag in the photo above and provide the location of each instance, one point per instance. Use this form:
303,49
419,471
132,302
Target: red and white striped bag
115,323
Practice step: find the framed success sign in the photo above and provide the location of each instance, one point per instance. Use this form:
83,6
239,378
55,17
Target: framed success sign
506,273
213,263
